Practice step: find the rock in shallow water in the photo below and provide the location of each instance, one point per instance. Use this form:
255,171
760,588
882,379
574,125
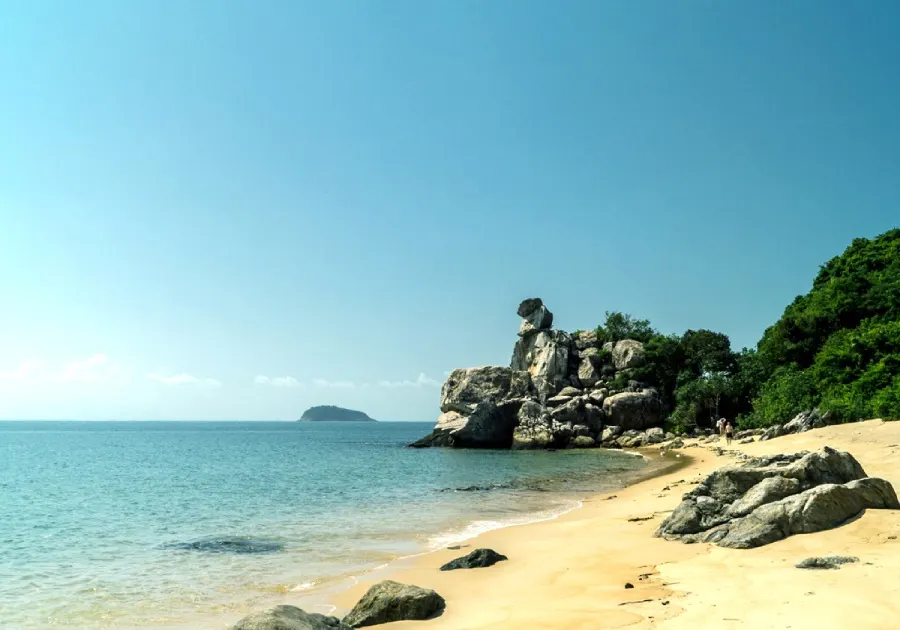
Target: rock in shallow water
479,558
289,618
390,601
229,545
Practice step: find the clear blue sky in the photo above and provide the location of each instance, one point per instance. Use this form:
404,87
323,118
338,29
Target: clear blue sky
196,195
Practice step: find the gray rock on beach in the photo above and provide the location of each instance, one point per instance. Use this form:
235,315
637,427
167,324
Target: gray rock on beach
480,558
826,562
771,498
390,601
289,618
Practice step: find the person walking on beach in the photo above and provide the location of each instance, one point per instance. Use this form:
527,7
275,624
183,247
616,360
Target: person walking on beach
729,432
720,426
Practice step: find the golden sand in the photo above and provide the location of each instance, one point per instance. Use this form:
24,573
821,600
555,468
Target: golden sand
571,572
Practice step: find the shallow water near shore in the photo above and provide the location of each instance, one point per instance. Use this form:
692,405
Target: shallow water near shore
177,524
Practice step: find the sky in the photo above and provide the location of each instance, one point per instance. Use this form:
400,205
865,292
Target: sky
226,209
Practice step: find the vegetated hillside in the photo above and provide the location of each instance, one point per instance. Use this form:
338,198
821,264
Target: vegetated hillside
836,348
330,413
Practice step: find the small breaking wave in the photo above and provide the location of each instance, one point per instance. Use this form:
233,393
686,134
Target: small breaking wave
476,528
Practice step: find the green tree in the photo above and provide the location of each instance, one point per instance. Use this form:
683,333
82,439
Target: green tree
618,326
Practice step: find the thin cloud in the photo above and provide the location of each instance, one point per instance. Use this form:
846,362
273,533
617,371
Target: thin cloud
25,370
277,381
185,379
422,381
94,369
97,368
321,382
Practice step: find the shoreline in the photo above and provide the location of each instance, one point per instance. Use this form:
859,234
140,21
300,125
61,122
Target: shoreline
571,571
333,599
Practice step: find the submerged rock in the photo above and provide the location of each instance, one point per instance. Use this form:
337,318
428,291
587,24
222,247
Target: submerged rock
479,558
289,618
768,499
229,545
390,601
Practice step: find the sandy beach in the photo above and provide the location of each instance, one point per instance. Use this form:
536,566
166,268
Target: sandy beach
571,572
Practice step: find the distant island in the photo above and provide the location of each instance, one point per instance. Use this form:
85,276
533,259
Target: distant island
330,413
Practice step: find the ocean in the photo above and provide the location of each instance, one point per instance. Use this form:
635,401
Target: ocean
138,525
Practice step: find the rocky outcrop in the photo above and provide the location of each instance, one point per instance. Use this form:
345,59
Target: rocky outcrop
480,558
535,316
560,391
467,388
479,408
769,499
633,410
289,618
628,354
390,601
801,423
807,421
544,355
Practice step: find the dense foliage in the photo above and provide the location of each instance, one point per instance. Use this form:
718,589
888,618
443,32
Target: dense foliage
837,347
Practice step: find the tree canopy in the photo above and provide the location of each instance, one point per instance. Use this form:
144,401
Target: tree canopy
837,347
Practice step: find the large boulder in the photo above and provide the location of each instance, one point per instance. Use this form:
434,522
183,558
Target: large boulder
390,601
544,355
535,316
628,354
467,388
589,370
289,618
585,339
534,429
633,410
479,408
806,421
489,425
768,499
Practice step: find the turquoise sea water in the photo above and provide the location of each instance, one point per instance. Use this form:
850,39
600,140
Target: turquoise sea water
95,517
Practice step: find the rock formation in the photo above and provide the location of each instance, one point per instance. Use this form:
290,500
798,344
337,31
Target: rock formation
289,618
771,498
390,601
559,391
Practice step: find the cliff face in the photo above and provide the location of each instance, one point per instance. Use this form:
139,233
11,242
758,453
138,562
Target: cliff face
330,413
560,391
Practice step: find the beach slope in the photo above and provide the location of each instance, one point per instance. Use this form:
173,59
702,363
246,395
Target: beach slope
572,572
